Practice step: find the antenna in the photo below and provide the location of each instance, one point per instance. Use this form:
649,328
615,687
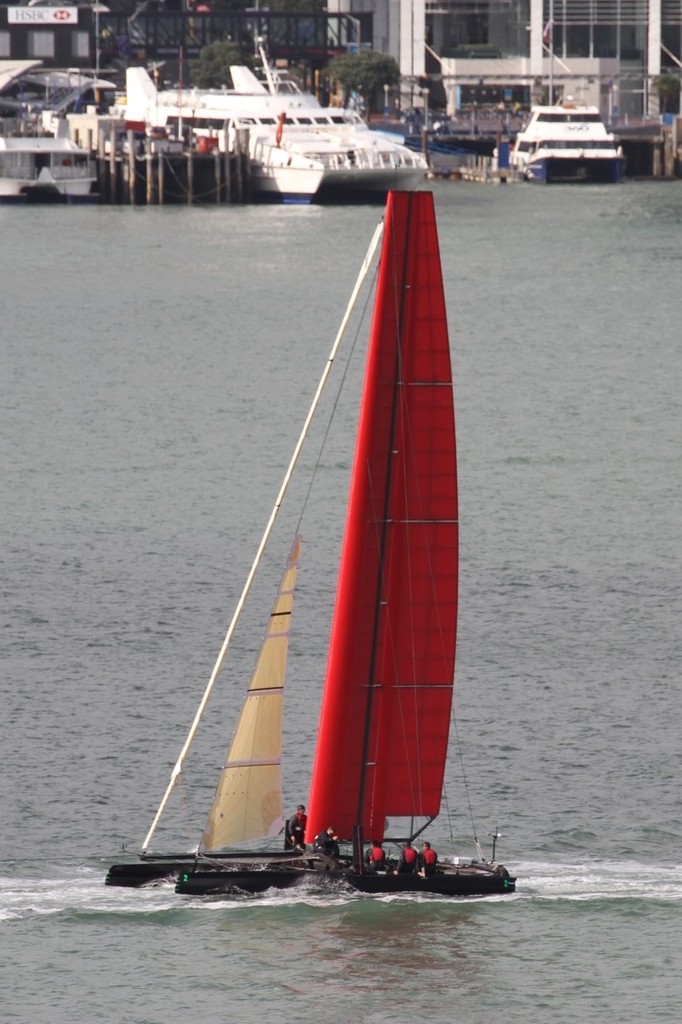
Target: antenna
495,836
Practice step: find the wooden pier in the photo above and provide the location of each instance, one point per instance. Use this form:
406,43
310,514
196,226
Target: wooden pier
149,171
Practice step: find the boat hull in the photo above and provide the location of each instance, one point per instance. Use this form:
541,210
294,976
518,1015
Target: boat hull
139,873
575,170
29,192
150,868
450,882
446,883
356,185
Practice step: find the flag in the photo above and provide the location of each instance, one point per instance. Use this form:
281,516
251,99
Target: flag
547,33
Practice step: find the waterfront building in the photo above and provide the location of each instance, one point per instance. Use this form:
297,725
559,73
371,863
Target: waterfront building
604,52
476,53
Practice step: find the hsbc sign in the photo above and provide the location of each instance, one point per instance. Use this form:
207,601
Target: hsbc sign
42,15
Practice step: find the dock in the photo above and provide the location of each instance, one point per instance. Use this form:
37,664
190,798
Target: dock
149,169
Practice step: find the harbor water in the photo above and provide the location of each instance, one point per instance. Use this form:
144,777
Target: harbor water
157,368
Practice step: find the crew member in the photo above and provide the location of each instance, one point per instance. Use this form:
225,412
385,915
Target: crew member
294,832
281,121
327,842
407,864
376,858
428,859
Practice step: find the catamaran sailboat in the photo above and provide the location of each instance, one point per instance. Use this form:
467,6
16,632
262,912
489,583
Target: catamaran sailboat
386,707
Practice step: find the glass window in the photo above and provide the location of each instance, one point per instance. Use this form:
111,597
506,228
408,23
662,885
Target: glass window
605,40
577,40
40,43
80,44
4,44
632,42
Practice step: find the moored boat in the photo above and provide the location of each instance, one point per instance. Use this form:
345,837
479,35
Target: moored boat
567,142
43,168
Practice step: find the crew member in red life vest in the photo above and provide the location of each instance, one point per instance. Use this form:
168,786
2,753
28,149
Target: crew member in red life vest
376,858
407,864
294,831
427,860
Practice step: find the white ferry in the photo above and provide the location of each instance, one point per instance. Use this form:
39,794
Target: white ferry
299,150
568,142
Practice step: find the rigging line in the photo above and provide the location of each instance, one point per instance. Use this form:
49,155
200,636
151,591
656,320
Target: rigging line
465,781
449,817
364,269
339,391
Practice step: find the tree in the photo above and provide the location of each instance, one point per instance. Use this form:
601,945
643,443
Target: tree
212,69
364,72
668,88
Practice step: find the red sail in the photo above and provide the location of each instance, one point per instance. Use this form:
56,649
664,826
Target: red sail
385,715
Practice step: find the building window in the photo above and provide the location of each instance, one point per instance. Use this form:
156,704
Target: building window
41,44
578,41
80,44
4,44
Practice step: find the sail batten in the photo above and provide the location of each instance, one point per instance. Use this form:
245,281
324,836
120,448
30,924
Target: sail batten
386,705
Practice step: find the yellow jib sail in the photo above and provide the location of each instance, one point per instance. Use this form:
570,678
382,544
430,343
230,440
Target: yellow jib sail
248,799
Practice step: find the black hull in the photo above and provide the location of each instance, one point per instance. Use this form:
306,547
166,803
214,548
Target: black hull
471,882
132,876
448,883
211,883
152,869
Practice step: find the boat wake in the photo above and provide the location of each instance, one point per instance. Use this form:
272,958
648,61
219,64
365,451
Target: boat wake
78,889
598,880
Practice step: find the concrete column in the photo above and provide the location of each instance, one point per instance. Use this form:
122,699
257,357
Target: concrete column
536,48
412,56
653,69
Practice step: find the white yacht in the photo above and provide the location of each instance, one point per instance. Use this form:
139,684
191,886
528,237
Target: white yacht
45,169
298,149
568,142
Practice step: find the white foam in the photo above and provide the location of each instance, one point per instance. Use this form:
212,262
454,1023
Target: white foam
82,889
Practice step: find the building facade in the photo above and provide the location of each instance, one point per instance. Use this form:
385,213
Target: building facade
607,52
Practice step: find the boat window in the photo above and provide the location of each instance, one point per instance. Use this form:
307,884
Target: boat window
576,143
569,117
338,120
304,120
321,120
